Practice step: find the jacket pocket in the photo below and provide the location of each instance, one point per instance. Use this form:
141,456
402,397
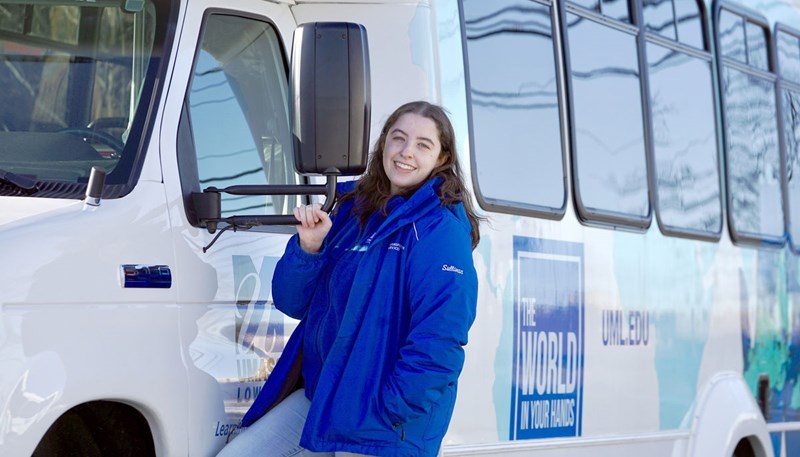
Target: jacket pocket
440,414
400,429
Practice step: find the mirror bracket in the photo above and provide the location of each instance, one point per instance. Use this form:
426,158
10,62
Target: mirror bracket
207,204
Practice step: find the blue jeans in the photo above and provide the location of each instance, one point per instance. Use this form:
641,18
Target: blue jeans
277,433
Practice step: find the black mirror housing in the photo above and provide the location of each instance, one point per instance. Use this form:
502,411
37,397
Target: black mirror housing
330,98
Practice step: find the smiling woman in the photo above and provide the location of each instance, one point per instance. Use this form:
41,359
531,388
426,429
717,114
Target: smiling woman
411,152
431,126
386,290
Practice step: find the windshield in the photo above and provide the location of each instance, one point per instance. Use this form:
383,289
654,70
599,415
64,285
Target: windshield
76,80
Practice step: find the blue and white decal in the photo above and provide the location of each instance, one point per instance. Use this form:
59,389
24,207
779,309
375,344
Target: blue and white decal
547,386
259,326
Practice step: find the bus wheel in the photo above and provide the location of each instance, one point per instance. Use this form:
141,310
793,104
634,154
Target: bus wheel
98,428
744,449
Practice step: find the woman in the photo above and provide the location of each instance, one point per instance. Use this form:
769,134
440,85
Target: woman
386,292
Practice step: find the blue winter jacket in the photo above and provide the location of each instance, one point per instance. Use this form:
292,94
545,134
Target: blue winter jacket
388,384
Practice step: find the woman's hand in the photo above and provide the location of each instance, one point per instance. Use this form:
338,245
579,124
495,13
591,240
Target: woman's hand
313,227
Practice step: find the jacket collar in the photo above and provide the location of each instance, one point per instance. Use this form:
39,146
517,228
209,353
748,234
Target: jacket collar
413,209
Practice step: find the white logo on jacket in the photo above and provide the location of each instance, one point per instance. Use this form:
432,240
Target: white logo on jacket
452,268
396,247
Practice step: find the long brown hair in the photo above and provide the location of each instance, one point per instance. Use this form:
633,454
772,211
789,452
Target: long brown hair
373,191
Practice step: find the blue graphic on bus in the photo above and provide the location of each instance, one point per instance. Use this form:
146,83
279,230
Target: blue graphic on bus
771,338
259,326
547,386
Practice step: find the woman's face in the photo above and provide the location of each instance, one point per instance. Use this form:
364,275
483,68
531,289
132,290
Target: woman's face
411,151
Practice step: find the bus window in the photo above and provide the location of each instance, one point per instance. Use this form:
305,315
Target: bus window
80,79
9,18
689,22
684,142
56,22
615,9
788,56
788,63
756,47
730,29
659,17
684,146
790,100
677,20
236,129
608,141
517,147
751,132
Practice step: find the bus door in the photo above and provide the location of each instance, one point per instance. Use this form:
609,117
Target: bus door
226,123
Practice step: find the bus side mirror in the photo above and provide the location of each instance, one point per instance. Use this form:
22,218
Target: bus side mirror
330,117
330,97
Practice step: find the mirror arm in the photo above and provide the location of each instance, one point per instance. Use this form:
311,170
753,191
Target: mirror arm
212,217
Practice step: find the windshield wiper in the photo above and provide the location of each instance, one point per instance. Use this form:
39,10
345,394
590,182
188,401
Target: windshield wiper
22,183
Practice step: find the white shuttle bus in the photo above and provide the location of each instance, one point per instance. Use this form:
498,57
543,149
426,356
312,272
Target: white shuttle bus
639,281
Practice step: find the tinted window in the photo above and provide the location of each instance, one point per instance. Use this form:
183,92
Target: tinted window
678,20
689,21
10,18
791,131
789,56
752,155
731,36
617,9
609,143
238,112
58,23
757,47
518,152
684,141
67,107
659,17
593,5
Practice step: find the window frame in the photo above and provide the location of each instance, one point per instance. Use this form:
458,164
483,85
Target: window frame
705,55
780,84
769,75
607,219
187,157
507,206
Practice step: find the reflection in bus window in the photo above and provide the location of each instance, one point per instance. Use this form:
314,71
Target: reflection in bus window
609,142
791,137
593,5
689,23
238,108
515,111
788,65
753,163
756,47
684,143
9,18
678,20
74,103
731,36
788,56
659,18
59,23
617,9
